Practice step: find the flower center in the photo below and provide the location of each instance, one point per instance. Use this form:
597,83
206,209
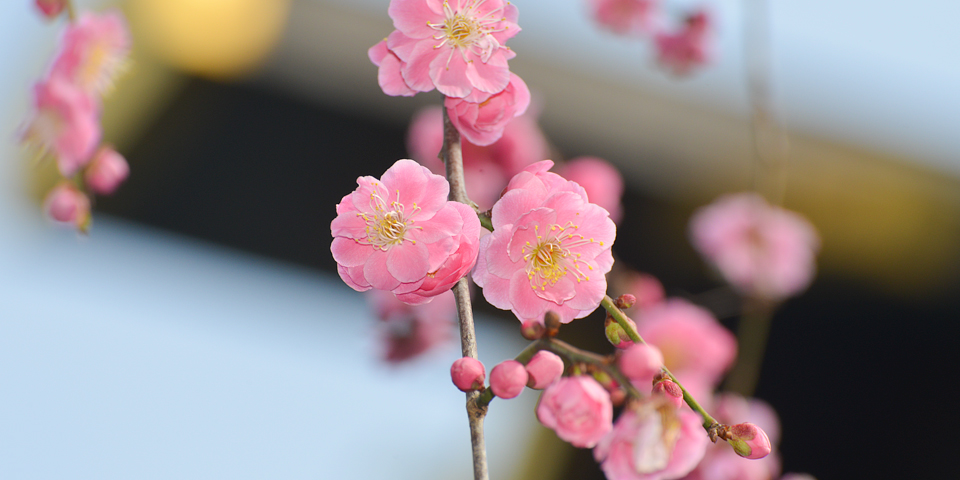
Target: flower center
465,30
387,223
552,257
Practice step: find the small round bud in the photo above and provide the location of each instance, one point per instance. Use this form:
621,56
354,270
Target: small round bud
543,369
468,374
532,330
625,301
51,8
617,397
106,171
749,441
670,390
68,205
552,322
617,335
641,362
508,379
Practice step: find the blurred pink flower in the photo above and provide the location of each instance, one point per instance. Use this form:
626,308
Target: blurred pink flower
93,51
66,204
625,17
482,118
646,288
106,171
408,331
550,250
762,250
652,440
687,48
392,233
696,348
65,121
51,8
640,363
455,46
600,179
578,409
388,75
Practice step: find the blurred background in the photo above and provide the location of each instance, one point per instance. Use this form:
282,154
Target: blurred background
200,330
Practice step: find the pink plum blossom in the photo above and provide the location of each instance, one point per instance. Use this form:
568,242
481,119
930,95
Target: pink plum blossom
652,440
467,374
65,122
550,249
625,17
408,331
66,204
762,250
455,46
544,368
51,8
646,288
93,51
508,378
106,171
487,169
696,348
600,179
481,118
687,48
394,233
578,409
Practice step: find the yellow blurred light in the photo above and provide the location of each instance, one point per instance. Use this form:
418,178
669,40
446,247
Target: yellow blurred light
213,38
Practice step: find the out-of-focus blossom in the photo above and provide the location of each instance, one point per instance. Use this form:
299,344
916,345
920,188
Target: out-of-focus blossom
93,51
652,440
646,288
625,17
682,51
762,250
408,331
453,46
388,75
532,329
578,409
467,374
481,118
544,368
106,171
669,390
550,249
600,179
392,233
640,363
66,204
51,8
695,347
65,122
508,378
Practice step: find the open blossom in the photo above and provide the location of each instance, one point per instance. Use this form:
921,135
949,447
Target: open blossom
652,440
578,409
65,122
481,118
93,51
625,17
455,46
687,48
550,249
393,233
407,331
600,179
762,250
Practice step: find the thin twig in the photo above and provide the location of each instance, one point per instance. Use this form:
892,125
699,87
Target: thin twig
452,156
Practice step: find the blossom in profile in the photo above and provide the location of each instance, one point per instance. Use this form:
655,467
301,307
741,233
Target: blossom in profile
392,233
408,331
550,249
625,17
51,8
482,118
600,179
388,73
106,171
93,51
66,204
455,46
687,48
65,122
652,440
761,250
578,409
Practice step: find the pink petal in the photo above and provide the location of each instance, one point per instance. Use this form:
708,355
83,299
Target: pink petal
411,17
492,76
449,73
349,252
407,262
375,271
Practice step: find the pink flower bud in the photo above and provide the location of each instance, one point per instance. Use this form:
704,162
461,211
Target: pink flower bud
749,441
51,8
67,204
670,390
508,379
532,329
544,368
626,300
106,171
468,374
641,362
617,335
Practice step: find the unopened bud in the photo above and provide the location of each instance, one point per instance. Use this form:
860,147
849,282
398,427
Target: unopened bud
625,301
532,329
106,171
543,369
68,205
468,374
51,8
641,362
508,379
749,441
617,397
617,335
552,322
670,390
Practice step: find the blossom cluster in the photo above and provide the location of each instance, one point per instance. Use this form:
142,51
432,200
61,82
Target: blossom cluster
66,107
